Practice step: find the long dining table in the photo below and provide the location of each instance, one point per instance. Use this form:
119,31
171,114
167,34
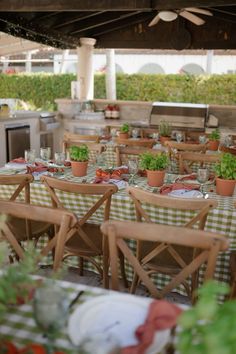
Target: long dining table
221,220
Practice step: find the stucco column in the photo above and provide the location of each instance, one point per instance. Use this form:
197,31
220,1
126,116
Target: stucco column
209,59
85,75
110,75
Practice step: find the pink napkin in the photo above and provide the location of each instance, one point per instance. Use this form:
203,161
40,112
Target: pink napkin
18,160
167,188
161,315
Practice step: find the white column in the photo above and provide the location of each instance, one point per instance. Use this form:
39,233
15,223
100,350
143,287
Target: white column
85,75
28,64
110,74
210,54
65,56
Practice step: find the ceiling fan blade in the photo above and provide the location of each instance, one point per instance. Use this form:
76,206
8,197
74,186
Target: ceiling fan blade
199,11
192,18
154,21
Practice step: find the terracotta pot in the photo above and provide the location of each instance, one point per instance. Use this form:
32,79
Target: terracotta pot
155,178
213,145
225,187
124,135
163,139
79,169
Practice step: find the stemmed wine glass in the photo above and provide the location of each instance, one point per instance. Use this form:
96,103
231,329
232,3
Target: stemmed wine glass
179,137
133,170
202,177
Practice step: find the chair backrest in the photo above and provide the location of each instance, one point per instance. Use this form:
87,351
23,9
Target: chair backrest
20,183
174,145
208,245
63,219
148,132
199,207
187,159
123,154
143,142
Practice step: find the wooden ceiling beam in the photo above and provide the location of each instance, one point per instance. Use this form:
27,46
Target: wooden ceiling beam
74,5
179,4
76,18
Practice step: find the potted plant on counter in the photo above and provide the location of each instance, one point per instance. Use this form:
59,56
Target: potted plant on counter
164,131
226,175
124,131
214,140
79,156
155,165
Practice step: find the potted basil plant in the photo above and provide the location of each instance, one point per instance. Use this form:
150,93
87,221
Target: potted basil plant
226,175
214,140
124,131
155,166
79,156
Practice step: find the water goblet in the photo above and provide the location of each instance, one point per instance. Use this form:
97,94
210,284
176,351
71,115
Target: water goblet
135,133
179,137
202,177
59,158
45,153
228,141
113,134
133,170
202,139
155,136
30,156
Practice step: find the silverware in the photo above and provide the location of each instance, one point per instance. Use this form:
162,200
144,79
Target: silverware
73,301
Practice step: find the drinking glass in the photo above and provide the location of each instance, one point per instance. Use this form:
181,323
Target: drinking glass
228,141
50,310
59,158
135,133
179,137
202,177
45,153
202,139
30,156
155,136
133,170
113,134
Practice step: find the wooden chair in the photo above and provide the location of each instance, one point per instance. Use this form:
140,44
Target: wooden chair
231,150
21,193
123,154
187,159
172,259
143,142
86,240
71,137
148,132
233,272
63,219
204,245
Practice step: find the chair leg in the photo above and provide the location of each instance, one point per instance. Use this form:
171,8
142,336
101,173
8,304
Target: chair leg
122,269
233,275
134,283
81,266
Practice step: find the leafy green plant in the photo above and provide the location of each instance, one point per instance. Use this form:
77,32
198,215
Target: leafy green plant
165,128
208,327
154,162
79,153
226,168
124,128
215,135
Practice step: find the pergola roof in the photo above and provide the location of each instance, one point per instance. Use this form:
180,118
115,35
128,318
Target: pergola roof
119,23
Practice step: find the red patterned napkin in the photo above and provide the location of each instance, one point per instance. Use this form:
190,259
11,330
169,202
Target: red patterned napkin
167,188
18,160
39,167
161,315
193,177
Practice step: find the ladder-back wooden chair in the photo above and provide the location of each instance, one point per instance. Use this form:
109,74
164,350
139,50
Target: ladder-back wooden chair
63,219
17,188
123,154
86,240
171,259
143,142
207,244
148,132
188,159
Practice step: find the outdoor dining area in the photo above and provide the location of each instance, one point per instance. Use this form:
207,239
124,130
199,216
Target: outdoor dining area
146,237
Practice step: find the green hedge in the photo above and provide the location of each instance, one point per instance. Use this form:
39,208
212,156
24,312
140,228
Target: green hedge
40,90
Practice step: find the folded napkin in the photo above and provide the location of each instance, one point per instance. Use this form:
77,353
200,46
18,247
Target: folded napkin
193,176
161,315
18,160
167,188
39,167
106,180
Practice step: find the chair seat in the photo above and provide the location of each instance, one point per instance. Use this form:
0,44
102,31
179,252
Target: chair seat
18,226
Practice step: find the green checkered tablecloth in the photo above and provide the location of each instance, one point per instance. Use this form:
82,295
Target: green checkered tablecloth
18,325
221,220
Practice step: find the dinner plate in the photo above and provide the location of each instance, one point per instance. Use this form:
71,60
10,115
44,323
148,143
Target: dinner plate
185,193
118,315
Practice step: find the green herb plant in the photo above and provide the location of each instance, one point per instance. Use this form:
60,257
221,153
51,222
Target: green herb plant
226,168
124,128
215,135
79,153
154,162
164,128
208,327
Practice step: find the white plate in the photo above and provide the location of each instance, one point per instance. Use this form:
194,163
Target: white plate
119,315
185,193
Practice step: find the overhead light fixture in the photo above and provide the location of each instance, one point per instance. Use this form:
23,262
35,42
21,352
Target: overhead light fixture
167,15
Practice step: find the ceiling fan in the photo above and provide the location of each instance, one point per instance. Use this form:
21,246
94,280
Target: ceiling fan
186,12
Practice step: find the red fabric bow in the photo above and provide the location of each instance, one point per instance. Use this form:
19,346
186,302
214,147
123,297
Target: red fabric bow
18,160
161,315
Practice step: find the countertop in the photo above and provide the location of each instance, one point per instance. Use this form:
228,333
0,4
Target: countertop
20,115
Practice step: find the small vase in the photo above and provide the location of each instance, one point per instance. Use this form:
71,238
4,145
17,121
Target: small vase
155,178
225,187
213,145
79,168
124,135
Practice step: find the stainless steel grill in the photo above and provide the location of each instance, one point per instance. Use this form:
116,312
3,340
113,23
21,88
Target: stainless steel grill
186,116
